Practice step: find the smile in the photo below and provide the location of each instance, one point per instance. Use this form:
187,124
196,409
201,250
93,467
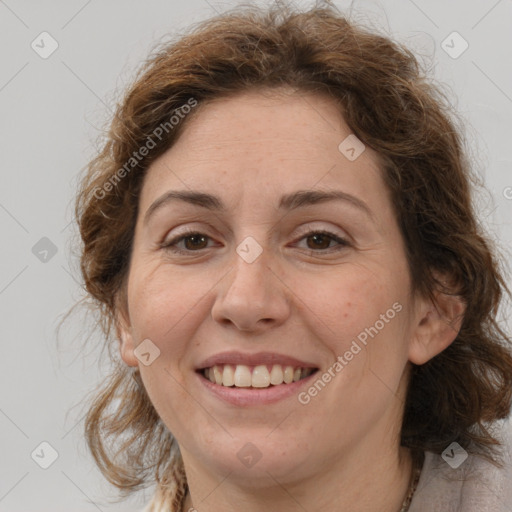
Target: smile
259,376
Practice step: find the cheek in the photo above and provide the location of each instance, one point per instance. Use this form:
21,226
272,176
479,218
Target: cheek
342,305
360,314
166,306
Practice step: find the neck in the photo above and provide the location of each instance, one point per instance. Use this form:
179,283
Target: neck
362,482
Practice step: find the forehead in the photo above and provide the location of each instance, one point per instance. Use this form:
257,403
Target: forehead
262,143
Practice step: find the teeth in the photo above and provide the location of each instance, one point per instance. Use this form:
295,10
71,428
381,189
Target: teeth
228,376
276,375
242,376
288,375
218,375
260,377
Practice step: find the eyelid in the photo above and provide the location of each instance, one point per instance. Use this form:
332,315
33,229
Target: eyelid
167,243
336,233
189,229
312,227
341,241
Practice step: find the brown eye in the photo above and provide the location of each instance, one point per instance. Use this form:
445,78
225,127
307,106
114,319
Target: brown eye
195,241
319,241
323,242
187,243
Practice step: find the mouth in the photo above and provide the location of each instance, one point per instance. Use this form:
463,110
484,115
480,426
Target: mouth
255,376
251,380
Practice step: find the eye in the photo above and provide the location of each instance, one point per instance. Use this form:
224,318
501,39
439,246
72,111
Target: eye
320,241
194,241
191,241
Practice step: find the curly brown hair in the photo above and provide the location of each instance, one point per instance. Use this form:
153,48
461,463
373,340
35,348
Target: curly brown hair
390,105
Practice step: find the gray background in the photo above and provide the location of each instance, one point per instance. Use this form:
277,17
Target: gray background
52,111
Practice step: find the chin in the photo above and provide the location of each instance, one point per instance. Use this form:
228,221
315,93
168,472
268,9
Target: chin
255,462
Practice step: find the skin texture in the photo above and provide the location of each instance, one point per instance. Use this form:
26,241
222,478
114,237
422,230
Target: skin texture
340,451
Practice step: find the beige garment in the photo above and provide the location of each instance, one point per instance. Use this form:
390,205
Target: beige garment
475,486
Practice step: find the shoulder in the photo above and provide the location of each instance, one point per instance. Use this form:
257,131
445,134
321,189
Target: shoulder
458,480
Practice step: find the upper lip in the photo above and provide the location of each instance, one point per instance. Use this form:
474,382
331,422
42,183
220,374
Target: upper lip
260,358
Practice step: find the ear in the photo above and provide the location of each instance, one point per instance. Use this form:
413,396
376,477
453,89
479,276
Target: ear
437,324
124,335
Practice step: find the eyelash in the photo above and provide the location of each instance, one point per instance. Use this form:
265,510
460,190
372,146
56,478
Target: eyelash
171,244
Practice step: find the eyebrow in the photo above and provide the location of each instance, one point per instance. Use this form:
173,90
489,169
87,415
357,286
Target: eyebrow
293,201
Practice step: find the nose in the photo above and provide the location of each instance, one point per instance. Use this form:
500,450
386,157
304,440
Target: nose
252,297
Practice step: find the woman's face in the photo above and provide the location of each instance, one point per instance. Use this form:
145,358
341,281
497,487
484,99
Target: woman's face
290,257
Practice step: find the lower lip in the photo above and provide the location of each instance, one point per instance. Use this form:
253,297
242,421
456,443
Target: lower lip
251,396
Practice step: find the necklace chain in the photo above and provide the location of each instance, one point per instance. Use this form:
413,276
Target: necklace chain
412,488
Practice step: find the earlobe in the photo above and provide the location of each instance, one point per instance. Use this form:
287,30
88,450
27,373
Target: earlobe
437,325
127,348
126,344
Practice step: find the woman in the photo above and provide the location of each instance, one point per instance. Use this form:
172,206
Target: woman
279,230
